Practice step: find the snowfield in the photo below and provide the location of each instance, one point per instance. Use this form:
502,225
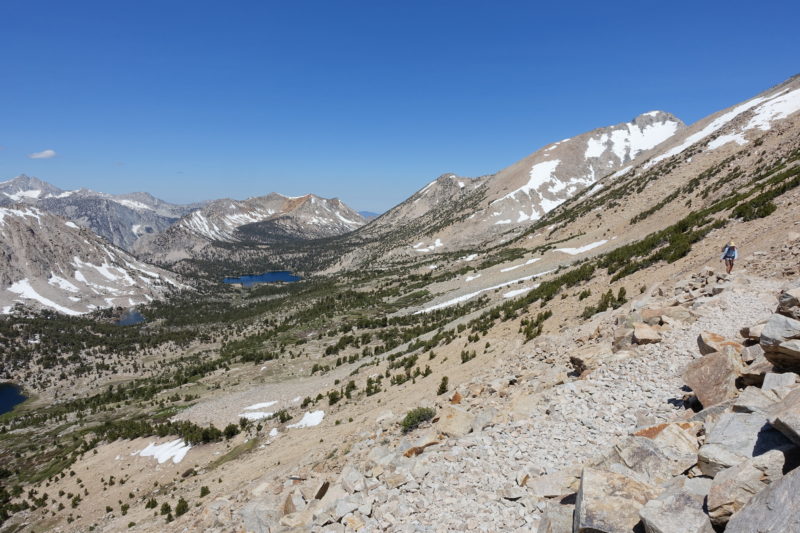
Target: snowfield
175,450
311,419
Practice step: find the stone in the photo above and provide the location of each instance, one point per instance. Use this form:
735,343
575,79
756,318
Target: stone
623,338
553,485
679,509
710,342
758,368
513,492
353,522
789,303
734,487
713,377
774,509
735,438
454,421
294,502
774,380
485,418
780,342
785,416
300,519
344,506
352,480
644,460
609,503
755,400
556,518
753,332
644,334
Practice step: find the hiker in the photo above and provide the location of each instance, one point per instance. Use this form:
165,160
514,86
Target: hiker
729,255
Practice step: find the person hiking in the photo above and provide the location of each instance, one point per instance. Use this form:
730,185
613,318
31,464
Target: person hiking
729,255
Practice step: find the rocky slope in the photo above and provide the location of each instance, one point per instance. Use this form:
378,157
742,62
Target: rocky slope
453,212
121,219
265,219
46,261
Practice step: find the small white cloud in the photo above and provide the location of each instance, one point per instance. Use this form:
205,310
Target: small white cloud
44,154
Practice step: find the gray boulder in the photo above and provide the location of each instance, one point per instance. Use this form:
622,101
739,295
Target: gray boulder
789,303
735,438
679,509
785,416
781,342
773,510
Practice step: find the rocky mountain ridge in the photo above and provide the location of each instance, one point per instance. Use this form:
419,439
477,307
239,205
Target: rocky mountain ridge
46,261
265,219
119,218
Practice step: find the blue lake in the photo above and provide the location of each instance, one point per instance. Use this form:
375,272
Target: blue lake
130,317
267,277
10,395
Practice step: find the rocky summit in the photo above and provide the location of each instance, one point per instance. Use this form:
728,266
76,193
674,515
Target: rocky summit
555,347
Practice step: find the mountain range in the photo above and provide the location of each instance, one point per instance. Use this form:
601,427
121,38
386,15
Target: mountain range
575,191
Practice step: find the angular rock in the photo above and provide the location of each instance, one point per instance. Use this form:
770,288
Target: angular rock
755,400
758,368
679,509
644,334
753,332
785,416
485,418
623,338
644,460
773,380
781,342
609,503
294,502
557,518
555,484
710,342
454,421
789,303
774,509
713,377
734,487
352,480
735,438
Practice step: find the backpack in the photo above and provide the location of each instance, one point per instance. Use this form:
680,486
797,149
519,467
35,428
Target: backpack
730,252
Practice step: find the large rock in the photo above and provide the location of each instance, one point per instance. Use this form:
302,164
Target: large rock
710,342
551,485
773,380
557,518
679,509
785,416
713,377
753,332
644,460
774,509
454,421
789,303
609,503
759,366
755,400
781,342
735,438
644,334
734,487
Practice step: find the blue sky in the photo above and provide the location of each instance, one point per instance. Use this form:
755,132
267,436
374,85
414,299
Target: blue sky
367,101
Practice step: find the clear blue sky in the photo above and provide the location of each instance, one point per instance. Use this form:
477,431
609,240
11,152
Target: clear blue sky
367,101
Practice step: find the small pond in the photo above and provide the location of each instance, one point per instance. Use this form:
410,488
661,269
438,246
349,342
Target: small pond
267,277
10,396
131,317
